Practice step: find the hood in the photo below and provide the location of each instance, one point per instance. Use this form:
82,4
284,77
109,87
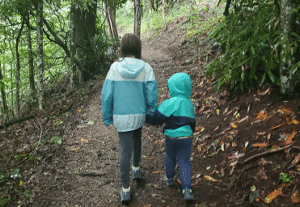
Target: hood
180,84
130,67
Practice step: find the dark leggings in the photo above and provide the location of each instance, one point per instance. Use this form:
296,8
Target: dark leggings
130,145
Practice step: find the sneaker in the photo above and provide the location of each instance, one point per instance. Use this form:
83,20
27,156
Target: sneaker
169,182
125,196
137,174
188,195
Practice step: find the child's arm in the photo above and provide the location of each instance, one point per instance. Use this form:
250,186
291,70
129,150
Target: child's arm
156,118
107,100
151,91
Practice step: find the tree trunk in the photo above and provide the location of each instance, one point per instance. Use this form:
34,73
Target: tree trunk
30,63
148,3
73,69
3,95
110,20
137,17
85,21
18,72
40,65
163,14
287,79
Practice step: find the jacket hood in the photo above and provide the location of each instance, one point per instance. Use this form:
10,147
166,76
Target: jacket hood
180,84
130,67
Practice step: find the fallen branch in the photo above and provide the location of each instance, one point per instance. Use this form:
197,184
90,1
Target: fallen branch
91,174
264,153
15,121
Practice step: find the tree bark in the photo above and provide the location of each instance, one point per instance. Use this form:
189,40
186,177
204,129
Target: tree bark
110,20
85,21
287,78
40,65
3,95
137,17
59,42
18,71
30,63
163,14
73,69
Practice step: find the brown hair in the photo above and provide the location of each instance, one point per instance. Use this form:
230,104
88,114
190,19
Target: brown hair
131,45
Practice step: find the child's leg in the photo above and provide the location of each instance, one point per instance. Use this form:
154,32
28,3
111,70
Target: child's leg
170,157
126,144
183,159
137,145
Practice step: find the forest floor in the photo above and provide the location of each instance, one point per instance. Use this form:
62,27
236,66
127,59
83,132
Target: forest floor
243,142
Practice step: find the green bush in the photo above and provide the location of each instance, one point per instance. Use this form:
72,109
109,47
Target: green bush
250,40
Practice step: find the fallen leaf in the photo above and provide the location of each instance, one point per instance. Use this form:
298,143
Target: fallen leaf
273,195
218,111
74,148
264,93
262,174
157,195
286,111
275,127
21,183
197,181
199,148
269,136
295,197
290,138
90,123
275,147
222,146
212,179
261,116
234,144
295,121
287,119
298,168
158,172
157,142
79,110
296,160
216,128
259,144
84,140
233,125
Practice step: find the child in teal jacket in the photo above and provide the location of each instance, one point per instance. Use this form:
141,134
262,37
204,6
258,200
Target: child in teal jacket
128,94
178,115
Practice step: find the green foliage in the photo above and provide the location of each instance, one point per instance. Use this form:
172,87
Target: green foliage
57,140
20,156
4,201
284,178
249,47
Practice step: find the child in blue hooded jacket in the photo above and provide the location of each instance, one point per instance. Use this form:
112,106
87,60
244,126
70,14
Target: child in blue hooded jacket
128,94
178,115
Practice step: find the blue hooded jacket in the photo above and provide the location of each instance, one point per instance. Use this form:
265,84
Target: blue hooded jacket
178,111
128,93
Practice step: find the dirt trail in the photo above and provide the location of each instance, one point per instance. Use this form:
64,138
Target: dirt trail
88,174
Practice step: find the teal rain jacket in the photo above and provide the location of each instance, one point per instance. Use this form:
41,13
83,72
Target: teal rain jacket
178,111
128,94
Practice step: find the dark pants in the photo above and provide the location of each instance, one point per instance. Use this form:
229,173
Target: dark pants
180,150
130,145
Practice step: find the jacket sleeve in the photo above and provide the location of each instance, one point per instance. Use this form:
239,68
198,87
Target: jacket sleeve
156,118
107,99
151,91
